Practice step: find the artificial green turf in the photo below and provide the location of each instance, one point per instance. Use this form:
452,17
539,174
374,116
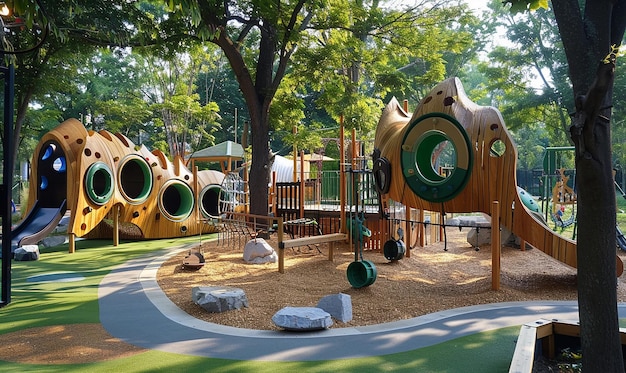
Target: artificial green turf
481,352
36,304
58,303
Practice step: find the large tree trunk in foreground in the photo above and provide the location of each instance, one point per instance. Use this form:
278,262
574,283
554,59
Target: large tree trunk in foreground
597,296
589,30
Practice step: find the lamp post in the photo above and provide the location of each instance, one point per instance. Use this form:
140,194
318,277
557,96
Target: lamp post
8,75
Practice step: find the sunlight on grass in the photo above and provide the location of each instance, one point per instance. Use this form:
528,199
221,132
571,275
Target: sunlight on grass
482,352
41,304
35,304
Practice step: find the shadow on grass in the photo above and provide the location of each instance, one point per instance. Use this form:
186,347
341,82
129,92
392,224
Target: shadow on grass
44,304
482,352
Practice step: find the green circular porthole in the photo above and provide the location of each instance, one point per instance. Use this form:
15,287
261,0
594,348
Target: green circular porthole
424,139
135,179
99,183
209,201
176,200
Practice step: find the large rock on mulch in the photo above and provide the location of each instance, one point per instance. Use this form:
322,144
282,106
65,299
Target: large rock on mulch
219,298
302,319
258,251
338,306
482,236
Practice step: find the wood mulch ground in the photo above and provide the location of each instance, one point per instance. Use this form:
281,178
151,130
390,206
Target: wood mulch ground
430,280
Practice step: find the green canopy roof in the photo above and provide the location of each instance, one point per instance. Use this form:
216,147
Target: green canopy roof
225,153
222,151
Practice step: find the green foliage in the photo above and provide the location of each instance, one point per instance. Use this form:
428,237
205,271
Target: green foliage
527,77
518,6
363,52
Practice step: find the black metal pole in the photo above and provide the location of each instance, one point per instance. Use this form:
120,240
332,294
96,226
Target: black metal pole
8,74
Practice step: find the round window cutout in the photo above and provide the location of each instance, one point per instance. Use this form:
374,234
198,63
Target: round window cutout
135,179
43,185
437,153
99,183
49,151
443,159
59,164
497,148
436,157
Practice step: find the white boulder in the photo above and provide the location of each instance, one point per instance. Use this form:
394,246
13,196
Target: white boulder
302,319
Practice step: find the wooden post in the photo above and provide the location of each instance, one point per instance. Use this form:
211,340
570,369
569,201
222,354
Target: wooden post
342,178
281,249
420,229
274,196
407,231
246,194
495,245
302,184
72,243
295,156
434,218
116,225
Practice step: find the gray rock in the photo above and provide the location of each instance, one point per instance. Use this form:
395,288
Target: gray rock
338,306
52,241
302,319
219,298
26,253
482,236
61,228
474,221
258,251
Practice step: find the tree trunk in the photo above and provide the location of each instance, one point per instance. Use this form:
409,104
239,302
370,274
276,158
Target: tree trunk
589,30
259,171
597,296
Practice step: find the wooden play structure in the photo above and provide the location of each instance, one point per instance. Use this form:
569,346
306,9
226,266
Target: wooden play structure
483,171
105,180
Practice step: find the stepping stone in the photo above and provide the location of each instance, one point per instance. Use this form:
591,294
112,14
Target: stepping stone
302,319
219,298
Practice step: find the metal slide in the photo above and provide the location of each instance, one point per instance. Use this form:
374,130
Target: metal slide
38,223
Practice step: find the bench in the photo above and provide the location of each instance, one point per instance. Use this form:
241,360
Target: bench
311,240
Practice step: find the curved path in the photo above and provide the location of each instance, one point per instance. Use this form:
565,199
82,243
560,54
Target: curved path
134,309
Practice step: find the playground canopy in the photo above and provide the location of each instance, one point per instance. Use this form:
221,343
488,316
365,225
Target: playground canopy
283,166
225,153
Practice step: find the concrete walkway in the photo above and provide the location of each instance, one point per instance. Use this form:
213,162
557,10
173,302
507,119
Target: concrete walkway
134,309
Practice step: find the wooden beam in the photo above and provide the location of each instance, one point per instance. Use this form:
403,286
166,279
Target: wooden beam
495,246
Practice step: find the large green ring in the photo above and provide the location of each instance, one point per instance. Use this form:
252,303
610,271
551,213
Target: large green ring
99,183
420,140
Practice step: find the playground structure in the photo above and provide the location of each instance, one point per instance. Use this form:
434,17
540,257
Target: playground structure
558,201
483,171
105,180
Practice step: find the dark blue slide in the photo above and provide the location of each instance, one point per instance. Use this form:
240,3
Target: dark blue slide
38,223
621,240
